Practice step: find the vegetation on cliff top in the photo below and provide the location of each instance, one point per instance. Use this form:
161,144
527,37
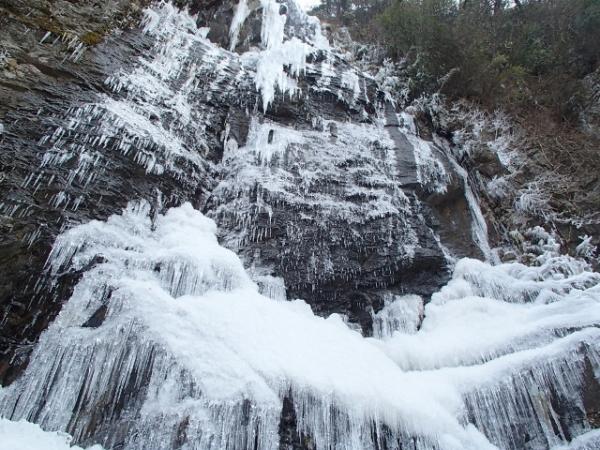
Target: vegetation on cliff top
498,53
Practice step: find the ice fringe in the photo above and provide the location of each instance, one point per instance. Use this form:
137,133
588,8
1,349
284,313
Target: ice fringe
241,13
184,341
279,63
401,313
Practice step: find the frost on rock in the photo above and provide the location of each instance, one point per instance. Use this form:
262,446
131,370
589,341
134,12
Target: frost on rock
285,188
185,341
155,114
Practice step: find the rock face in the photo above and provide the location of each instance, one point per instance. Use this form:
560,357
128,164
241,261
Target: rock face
325,191
82,135
44,71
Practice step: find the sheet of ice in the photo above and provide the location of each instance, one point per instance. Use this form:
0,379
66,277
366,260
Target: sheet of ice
23,435
282,165
351,80
478,224
430,170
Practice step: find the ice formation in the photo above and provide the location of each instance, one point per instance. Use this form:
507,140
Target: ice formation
217,355
171,340
401,313
241,14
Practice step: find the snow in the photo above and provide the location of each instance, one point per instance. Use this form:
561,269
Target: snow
23,435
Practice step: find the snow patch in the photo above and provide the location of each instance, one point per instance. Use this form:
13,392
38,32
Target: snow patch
23,435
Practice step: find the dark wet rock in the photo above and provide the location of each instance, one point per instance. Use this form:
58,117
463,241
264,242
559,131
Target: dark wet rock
591,395
289,436
97,318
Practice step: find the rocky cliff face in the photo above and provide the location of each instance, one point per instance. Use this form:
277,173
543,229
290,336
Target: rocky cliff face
117,132
87,128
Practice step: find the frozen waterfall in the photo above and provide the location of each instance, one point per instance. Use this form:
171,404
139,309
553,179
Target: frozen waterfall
166,336
183,330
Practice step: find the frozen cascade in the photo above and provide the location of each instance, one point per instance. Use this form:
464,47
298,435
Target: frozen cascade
189,322
166,284
173,338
